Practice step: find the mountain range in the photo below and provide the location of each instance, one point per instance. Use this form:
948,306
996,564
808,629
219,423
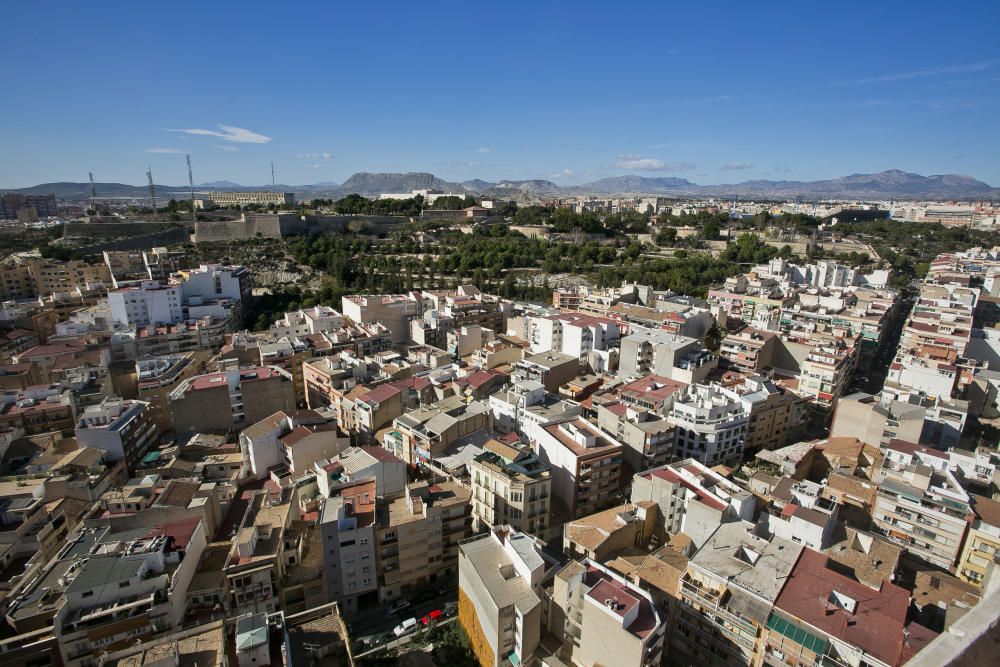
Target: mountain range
891,184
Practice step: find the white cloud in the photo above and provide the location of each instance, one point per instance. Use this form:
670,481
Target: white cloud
313,155
317,166
232,133
565,173
484,149
230,149
165,151
638,163
921,73
735,166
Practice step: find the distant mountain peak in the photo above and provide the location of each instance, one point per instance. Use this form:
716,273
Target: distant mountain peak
219,184
888,184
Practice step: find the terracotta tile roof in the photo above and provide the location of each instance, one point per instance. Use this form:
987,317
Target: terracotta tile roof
417,383
876,623
51,350
603,588
509,438
79,358
581,319
987,510
381,454
300,433
912,448
917,637
180,531
14,334
380,394
617,408
178,493
602,445
669,475
656,387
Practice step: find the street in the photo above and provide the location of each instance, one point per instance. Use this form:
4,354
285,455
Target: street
376,622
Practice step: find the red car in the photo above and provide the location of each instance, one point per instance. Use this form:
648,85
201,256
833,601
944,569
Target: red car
434,616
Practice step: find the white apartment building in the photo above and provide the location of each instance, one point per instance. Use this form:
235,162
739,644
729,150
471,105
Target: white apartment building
827,371
711,424
355,464
922,508
510,486
692,498
261,444
500,591
216,282
147,303
674,357
526,409
392,310
347,526
211,290
605,618
575,334
318,319
585,463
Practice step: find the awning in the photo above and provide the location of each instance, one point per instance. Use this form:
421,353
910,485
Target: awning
797,634
152,457
747,605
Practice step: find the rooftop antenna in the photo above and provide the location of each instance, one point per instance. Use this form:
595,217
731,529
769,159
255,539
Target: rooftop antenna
194,216
272,175
152,188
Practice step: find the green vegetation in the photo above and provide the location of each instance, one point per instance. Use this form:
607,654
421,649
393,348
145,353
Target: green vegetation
358,205
453,203
451,645
748,249
908,247
503,262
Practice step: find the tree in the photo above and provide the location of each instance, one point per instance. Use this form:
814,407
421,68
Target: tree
713,339
666,236
450,203
710,230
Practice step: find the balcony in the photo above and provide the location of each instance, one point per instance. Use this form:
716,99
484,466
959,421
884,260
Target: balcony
709,602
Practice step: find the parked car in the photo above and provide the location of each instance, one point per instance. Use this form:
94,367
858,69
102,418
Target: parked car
433,617
405,628
398,606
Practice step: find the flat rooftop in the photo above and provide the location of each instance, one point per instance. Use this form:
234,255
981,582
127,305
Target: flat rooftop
488,558
735,554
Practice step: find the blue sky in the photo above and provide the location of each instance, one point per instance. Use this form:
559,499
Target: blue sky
569,91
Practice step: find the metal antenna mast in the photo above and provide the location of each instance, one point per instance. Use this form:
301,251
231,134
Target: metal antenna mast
194,216
152,189
272,175
93,192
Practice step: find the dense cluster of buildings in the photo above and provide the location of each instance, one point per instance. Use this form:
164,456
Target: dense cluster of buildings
628,476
